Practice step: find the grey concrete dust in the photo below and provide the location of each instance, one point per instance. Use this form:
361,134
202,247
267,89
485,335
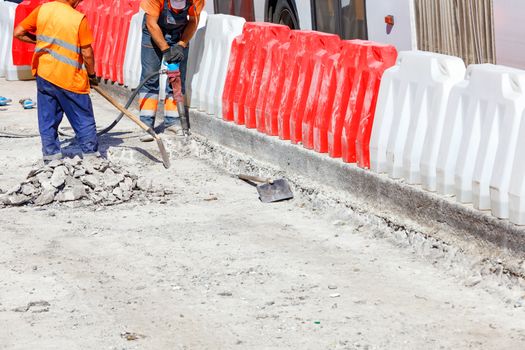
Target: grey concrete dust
211,267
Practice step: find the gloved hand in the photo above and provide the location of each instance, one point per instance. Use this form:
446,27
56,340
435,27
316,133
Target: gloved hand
93,80
174,54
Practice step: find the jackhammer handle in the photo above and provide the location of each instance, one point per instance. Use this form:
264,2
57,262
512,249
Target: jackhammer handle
254,178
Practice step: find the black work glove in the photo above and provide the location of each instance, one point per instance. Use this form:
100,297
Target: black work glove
173,54
93,80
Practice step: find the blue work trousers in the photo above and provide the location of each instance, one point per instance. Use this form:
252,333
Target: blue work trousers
53,102
151,60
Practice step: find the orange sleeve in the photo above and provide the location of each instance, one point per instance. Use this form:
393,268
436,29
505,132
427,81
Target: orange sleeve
152,7
85,35
29,23
196,9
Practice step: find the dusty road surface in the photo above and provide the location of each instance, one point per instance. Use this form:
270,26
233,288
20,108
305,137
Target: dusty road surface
210,267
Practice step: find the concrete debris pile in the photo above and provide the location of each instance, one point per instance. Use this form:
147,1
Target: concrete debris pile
91,180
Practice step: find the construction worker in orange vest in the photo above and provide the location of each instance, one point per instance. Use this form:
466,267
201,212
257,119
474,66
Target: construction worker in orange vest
167,30
64,67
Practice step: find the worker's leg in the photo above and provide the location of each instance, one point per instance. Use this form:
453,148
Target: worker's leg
151,58
79,112
49,117
171,116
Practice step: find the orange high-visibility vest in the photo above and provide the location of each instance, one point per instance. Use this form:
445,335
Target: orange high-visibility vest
57,57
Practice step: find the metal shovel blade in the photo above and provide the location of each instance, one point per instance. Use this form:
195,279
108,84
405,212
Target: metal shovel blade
277,191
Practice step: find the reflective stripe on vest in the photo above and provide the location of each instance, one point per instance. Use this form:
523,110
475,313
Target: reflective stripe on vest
58,56
55,41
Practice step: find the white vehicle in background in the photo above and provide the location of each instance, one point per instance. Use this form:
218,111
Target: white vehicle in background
479,31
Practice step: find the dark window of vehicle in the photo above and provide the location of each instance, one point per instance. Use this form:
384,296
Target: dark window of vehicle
344,17
327,16
353,18
242,8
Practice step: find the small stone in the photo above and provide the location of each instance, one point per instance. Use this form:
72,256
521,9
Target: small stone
127,184
4,199
339,223
71,194
100,164
103,194
91,180
55,163
126,195
117,192
79,172
72,161
225,294
473,281
111,179
14,189
144,184
18,199
28,189
335,295
59,176
331,286
72,182
95,198
45,197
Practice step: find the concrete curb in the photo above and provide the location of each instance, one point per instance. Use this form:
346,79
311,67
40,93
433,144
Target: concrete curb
378,191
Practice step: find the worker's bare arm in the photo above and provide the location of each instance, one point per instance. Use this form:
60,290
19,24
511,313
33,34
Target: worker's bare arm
89,58
22,34
189,31
156,32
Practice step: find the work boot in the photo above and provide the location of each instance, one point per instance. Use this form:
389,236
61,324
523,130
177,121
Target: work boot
175,130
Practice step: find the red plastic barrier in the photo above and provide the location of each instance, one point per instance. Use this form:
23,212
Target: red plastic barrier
110,21
129,8
102,33
243,82
374,59
232,77
23,52
271,90
293,58
268,37
320,87
306,70
325,105
329,125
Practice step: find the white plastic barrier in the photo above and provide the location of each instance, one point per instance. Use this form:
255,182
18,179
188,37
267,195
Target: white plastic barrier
4,20
132,67
481,135
517,183
195,57
209,84
410,113
7,69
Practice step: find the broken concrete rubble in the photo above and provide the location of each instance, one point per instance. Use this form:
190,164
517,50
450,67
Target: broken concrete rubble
93,180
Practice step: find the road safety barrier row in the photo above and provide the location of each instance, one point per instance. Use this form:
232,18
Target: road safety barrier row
307,87
110,23
453,130
7,68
